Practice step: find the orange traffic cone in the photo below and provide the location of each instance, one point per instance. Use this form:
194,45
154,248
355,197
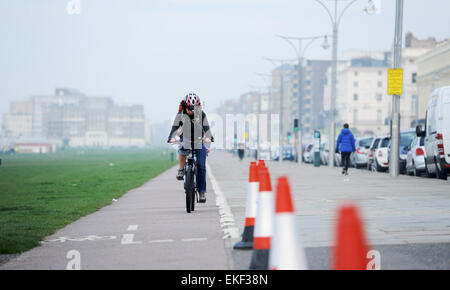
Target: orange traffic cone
261,163
263,223
351,248
250,209
287,251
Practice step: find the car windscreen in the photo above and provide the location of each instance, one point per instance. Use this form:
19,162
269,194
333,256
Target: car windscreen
385,142
375,143
365,142
406,138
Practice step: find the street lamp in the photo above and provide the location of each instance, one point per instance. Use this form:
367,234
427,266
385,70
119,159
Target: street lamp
394,164
300,55
335,21
280,62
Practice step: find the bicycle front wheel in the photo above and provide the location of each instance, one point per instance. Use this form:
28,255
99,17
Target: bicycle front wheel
190,190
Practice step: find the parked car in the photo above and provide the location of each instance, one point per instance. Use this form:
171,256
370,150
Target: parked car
371,154
415,161
324,153
406,137
288,153
437,134
307,154
359,158
379,154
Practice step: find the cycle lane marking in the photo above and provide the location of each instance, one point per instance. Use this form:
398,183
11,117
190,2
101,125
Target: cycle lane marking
226,216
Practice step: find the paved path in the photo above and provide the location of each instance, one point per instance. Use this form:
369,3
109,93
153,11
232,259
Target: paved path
148,228
408,218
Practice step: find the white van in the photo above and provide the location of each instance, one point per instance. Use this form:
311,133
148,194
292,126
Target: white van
437,134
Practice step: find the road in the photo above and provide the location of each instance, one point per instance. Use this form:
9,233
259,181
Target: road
406,219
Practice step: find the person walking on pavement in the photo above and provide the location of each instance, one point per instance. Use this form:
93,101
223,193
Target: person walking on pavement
345,145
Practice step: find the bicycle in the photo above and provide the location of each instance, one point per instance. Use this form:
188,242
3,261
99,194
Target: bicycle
190,179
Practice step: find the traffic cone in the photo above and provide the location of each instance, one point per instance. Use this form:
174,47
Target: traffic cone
287,251
250,209
263,223
261,163
351,249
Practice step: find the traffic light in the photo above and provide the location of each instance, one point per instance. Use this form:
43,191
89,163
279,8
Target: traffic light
289,135
235,138
295,125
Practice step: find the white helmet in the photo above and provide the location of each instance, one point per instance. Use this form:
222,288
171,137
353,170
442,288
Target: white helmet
192,100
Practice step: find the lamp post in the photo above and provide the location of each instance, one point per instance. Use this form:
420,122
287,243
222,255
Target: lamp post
300,56
280,62
394,166
335,21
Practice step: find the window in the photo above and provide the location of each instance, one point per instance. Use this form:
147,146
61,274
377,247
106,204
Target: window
356,73
414,78
380,73
355,97
355,84
379,97
380,84
355,116
379,116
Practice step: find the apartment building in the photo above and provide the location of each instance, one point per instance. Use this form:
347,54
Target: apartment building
69,117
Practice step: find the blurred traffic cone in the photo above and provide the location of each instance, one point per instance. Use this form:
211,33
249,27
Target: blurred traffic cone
287,251
351,248
263,222
261,163
250,209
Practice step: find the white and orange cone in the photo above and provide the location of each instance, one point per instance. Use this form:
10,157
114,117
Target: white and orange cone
263,222
287,251
250,209
351,248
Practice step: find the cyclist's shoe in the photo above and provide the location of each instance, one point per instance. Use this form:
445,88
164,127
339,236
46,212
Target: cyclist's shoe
202,197
180,174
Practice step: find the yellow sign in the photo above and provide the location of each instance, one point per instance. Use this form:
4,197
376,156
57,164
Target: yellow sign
395,81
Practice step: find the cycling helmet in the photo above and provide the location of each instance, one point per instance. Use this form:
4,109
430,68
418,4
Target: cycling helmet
192,100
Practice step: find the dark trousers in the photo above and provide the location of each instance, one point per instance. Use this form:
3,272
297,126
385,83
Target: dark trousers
201,169
345,156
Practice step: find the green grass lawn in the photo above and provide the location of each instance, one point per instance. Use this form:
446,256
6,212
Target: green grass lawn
42,193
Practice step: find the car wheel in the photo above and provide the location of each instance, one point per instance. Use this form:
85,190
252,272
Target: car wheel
440,174
414,172
373,167
429,175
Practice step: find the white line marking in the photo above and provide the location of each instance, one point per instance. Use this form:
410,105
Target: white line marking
127,239
194,239
132,228
226,216
161,241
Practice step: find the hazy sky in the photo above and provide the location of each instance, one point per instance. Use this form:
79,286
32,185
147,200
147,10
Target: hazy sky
152,52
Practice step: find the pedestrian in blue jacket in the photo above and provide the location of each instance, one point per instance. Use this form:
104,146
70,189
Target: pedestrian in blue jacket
346,145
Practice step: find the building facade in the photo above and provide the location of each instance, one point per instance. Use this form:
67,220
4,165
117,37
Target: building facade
433,73
73,119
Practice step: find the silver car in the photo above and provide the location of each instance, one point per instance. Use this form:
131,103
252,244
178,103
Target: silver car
362,151
415,161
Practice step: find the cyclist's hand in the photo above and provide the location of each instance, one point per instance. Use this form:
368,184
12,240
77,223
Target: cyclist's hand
207,140
172,140
207,150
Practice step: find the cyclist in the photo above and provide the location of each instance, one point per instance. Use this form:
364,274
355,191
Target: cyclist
190,113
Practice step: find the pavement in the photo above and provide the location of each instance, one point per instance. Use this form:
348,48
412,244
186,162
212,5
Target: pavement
406,219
